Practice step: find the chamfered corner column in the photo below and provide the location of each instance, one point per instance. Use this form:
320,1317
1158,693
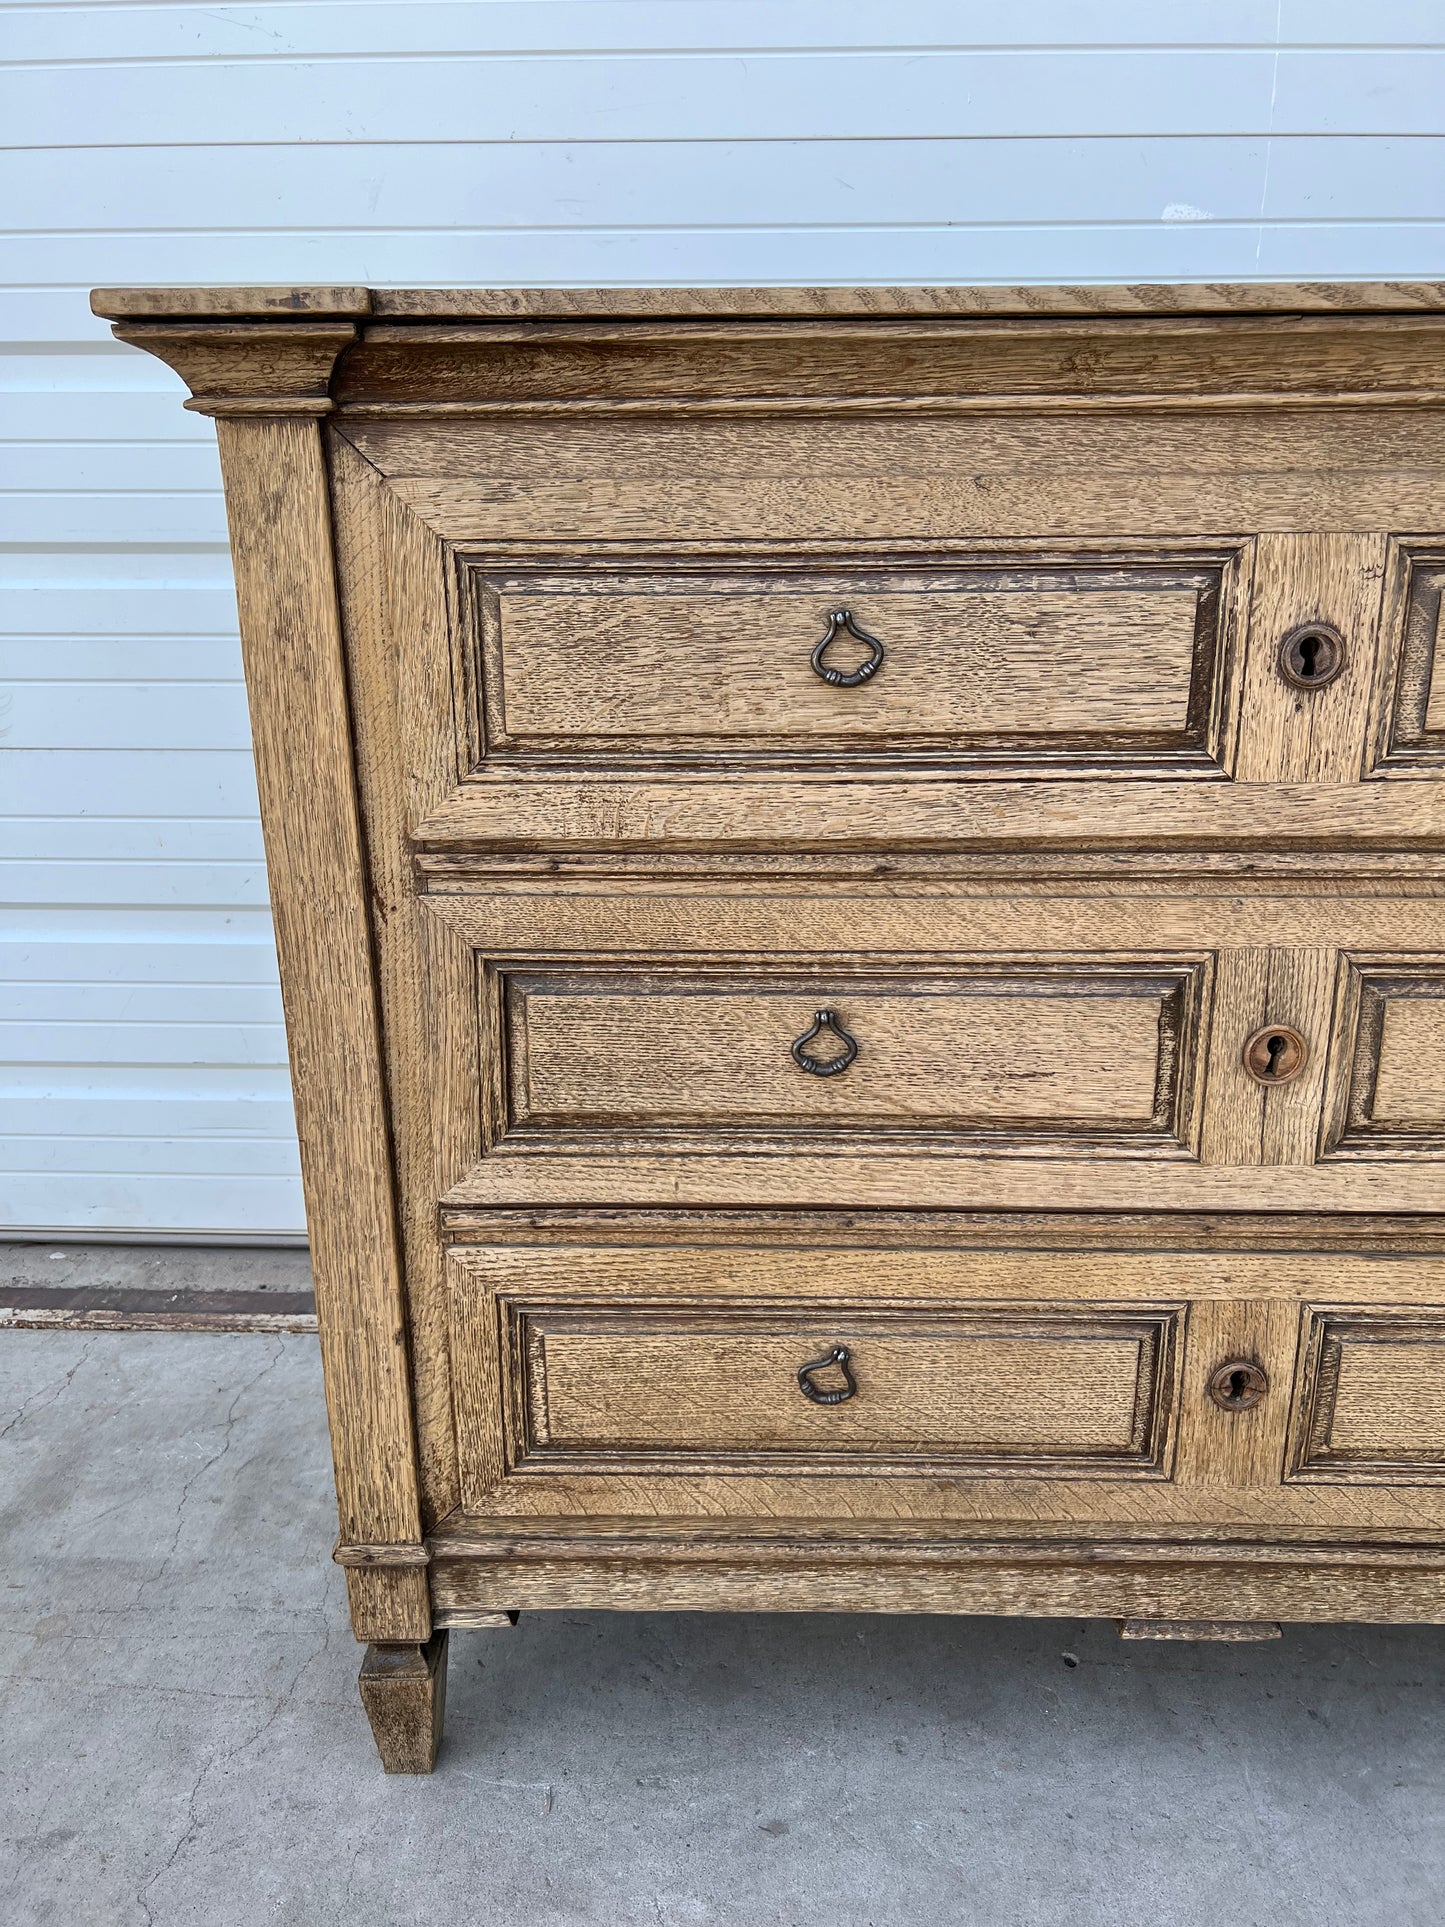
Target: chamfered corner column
261,362
404,1691
279,508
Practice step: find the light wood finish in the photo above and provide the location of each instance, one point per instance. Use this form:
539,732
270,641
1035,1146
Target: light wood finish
1078,1048
1370,1403
831,814
992,1388
569,843
404,1691
1229,1631
611,660
1310,735
277,500
685,1566
1348,297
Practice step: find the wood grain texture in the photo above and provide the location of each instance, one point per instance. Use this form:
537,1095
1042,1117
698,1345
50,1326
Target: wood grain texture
1370,1397
399,664
609,1391
944,1180
864,812
610,659
240,369
822,504
227,304
277,499
605,843
1228,1631
1310,735
928,361
1410,1077
1019,1048
663,919
1242,1451
1246,1122
1083,1576
1236,1246
1345,297
703,1430
404,1691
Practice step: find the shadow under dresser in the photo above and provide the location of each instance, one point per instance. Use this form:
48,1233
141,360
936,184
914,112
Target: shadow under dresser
858,885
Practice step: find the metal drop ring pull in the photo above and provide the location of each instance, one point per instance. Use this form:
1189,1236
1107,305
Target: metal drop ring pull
840,620
839,1356
825,1066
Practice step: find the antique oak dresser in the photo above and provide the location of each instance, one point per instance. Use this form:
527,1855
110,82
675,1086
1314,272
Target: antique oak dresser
858,881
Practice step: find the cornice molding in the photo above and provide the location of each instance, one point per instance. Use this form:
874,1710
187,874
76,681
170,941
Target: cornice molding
247,368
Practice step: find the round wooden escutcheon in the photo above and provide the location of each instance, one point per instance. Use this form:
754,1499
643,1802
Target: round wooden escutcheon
1312,655
1239,1385
1275,1054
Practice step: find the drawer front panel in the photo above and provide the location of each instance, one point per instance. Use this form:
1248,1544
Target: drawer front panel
1391,1091
1094,1051
1110,662
984,1050
601,1382
1025,1380
991,1389
1370,1405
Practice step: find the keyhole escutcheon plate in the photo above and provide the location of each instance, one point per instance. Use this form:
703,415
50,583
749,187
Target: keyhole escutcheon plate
1312,655
1238,1385
1275,1054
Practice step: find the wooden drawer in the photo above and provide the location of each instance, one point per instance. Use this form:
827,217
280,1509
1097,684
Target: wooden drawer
1111,660
1370,1403
989,1374
1083,1047
984,1048
581,1363
1058,1388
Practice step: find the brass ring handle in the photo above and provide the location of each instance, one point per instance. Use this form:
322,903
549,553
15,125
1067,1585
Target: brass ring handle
825,1066
838,1355
842,620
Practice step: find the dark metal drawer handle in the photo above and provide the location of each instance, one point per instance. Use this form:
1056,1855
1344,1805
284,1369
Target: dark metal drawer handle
840,620
825,1066
838,1356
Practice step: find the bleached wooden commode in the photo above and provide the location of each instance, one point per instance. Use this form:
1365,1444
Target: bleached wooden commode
858,882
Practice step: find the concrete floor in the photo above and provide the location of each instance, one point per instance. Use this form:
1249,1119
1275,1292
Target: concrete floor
181,1741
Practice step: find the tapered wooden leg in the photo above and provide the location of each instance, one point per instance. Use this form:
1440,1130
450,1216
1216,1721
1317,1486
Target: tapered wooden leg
404,1691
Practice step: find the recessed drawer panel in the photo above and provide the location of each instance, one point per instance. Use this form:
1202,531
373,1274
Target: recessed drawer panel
1093,1049
852,1386
1109,662
1389,1100
1371,1400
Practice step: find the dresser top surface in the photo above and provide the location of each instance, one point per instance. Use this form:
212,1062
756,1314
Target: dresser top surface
591,304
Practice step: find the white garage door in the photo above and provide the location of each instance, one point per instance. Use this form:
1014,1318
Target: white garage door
509,141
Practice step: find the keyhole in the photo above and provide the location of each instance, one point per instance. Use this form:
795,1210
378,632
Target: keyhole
1275,1054
1312,656
1238,1385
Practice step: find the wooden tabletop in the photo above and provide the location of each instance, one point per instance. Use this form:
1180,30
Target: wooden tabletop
472,304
